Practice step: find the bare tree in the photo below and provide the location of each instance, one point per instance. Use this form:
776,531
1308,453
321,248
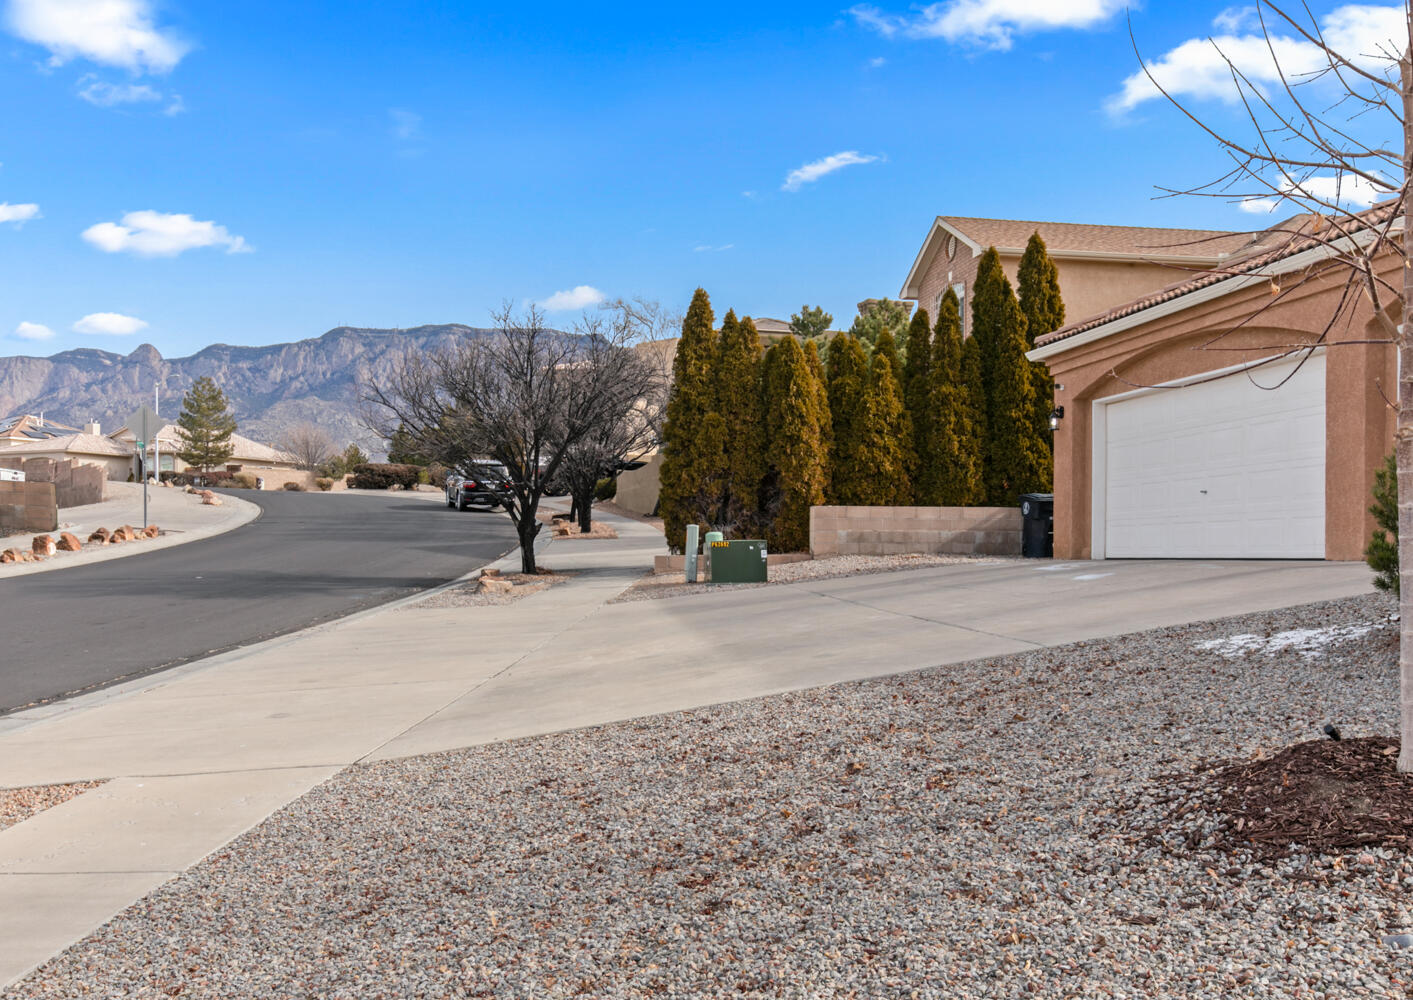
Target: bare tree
310,445
1335,123
526,396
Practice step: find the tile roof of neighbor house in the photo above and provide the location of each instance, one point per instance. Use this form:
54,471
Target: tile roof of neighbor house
244,449
1137,241
1270,246
71,444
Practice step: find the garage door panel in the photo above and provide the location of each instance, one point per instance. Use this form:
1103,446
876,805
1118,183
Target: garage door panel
1220,469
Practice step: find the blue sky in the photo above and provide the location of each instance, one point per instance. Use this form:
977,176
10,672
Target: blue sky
263,172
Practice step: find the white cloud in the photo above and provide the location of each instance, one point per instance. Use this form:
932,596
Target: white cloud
1351,192
18,214
813,171
991,24
405,124
878,62
105,95
579,297
160,234
109,324
708,248
33,331
112,32
1235,19
1196,69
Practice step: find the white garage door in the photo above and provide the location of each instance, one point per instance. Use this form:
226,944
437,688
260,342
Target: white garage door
1219,470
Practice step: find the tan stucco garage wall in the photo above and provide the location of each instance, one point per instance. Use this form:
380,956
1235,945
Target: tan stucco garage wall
1359,424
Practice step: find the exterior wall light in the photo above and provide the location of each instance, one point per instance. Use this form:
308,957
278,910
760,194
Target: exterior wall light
1056,415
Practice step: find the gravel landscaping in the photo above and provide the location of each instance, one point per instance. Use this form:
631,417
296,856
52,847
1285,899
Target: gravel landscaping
656,586
470,595
19,804
998,828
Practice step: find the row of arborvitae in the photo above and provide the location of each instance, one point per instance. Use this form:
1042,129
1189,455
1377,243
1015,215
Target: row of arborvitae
752,440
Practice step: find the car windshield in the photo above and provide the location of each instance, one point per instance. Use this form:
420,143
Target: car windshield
497,472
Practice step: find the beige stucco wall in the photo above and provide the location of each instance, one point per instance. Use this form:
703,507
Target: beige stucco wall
638,488
1358,423
1088,286
879,531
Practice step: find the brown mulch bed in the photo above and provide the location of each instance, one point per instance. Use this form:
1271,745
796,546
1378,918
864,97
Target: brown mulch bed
19,804
1328,795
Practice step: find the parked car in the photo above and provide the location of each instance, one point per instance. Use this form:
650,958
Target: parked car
487,485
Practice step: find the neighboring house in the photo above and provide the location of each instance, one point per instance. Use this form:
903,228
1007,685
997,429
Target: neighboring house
1099,266
26,428
87,447
250,455
1173,445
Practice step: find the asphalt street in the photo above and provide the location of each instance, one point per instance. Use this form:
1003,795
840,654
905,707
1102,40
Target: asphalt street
307,559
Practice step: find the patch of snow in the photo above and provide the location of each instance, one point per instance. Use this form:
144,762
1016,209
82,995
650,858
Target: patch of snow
1305,641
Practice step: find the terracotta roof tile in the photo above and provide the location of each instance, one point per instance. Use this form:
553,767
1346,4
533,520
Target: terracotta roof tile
1267,247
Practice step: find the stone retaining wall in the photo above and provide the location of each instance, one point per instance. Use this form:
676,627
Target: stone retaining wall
883,531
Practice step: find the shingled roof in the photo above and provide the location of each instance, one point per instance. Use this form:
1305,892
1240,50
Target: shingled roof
1265,249
1074,237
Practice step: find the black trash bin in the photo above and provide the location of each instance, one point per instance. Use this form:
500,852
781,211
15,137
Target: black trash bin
1038,525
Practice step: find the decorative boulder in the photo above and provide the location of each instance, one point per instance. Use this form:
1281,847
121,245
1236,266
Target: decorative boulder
43,546
11,556
68,542
151,531
100,537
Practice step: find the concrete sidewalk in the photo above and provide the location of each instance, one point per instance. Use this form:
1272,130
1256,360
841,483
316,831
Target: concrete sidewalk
181,516
206,751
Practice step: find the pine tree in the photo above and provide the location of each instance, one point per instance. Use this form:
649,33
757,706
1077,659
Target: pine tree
795,442
877,315
205,426
1382,553
887,439
810,323
1038,282
917,367
1015,461
738,401
950,474
690,489
848,413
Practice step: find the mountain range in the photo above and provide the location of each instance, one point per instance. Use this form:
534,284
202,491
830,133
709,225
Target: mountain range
270,388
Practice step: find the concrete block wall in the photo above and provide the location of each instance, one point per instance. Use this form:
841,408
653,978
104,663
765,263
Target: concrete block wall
75,483
881,531
27,507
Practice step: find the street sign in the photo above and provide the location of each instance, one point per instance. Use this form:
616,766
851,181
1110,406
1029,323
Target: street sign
143,423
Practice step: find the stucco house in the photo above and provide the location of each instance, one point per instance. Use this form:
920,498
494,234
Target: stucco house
1225,415
250,455
1099,266
34,437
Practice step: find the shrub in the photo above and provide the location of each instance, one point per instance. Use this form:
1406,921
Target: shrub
246,480
1382,553
324,483
227,484
436,475
606,489
293,487
384,476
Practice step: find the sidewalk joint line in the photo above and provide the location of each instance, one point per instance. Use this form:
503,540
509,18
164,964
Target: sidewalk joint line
921,618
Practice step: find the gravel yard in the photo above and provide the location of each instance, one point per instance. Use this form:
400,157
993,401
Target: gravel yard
660,585
977,830
19,804
470,595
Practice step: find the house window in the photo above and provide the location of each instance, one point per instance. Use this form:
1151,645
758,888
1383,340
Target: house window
960,289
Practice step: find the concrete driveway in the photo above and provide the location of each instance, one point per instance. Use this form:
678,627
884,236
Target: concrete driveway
201,753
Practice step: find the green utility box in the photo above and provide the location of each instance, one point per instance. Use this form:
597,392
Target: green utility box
740,561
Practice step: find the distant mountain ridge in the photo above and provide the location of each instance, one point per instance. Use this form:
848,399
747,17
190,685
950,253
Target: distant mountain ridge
271,388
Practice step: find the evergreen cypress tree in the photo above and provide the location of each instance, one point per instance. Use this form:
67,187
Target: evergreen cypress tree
974,400
886,448
205,426
887,345
795,443
917,367
1038,282
690,491
821,402
950,475
1382,552
738,401
1015,462
848,413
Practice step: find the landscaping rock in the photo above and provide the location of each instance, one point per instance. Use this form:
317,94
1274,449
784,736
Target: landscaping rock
68,542
100,537
151,531
43,546
11,556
